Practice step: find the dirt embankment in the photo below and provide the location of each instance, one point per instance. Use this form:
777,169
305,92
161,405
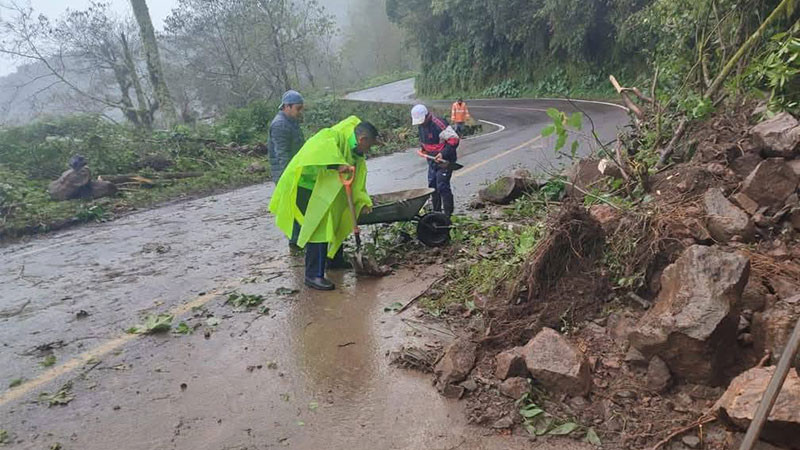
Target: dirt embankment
652,322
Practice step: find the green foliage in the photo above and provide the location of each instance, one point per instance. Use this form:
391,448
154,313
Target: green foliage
244,301
247,125
778,70
48,361
153,324
4,439
507,88
60,398
16,382
539,422
562,123
183,328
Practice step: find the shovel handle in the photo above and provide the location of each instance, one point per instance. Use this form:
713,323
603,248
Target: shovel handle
348,187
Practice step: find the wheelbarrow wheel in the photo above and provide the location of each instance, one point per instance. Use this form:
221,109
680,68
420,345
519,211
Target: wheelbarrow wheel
433,229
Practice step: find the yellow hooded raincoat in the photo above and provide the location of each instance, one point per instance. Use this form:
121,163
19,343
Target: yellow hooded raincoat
327,218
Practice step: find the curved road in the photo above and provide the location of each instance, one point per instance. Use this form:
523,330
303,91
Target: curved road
309,371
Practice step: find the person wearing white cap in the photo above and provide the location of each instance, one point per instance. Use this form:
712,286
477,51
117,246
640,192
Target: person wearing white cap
438,139
285,140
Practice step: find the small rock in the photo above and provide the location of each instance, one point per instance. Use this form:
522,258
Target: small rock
82,314
745,202
771,183
557,364
510,363
456,363
716,168
772,328
744,324
452,391
476,203
795,166
658,376
778,136
738,404
691,441
504,422
635,358
725,220
470,385
256,168
515,387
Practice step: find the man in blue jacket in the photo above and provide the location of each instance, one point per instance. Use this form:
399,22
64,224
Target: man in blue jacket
439,140
285,135
285,140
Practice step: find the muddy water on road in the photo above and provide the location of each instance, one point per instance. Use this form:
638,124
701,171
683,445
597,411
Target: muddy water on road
312,373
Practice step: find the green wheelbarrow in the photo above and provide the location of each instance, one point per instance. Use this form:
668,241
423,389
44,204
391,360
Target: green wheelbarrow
433,228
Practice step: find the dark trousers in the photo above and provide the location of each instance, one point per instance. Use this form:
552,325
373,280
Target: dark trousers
439,179
459,128
316,253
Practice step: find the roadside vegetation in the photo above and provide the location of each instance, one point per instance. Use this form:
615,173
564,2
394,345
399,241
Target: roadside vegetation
223,155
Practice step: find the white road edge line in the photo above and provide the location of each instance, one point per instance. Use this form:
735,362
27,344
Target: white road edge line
500,129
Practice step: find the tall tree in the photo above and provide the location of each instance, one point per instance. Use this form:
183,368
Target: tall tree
150,45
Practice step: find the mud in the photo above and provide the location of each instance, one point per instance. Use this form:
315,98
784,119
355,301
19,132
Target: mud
312,372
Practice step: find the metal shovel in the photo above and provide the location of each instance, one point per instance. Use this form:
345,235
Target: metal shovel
363,265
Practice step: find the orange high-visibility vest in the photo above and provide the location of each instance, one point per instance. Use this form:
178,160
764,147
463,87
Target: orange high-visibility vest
459,113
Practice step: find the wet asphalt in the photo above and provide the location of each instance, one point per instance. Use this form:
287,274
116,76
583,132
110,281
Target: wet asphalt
307,371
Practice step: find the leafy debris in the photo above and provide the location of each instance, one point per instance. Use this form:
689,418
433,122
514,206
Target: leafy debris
244,301
60,398
153,324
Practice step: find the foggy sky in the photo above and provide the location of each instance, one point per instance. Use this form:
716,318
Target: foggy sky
159,10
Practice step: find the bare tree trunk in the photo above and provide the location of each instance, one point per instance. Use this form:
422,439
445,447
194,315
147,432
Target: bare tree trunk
144,109
150,45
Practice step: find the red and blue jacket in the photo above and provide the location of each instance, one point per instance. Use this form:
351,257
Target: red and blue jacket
429,139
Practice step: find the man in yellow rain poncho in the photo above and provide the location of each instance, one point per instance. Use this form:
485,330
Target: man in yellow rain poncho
310,192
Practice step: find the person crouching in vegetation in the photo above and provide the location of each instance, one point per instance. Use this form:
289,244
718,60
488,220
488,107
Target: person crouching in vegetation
285,140
310,194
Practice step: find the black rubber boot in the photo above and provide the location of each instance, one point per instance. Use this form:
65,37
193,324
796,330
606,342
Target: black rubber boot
436,200
320,284
448,204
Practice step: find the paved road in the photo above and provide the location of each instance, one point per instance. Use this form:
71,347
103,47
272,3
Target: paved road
309,373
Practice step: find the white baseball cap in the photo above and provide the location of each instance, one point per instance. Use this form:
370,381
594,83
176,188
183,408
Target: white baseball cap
418,114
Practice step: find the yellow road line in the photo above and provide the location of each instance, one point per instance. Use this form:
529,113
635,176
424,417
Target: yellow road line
97,352
114,344
469,169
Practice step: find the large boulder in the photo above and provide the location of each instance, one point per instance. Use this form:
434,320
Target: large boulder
778,136
724,219
772,328
692,318
456,364
771,183
557,364
508,188
71,184
738,404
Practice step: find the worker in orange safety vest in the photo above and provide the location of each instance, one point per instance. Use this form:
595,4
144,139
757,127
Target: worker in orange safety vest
459,115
